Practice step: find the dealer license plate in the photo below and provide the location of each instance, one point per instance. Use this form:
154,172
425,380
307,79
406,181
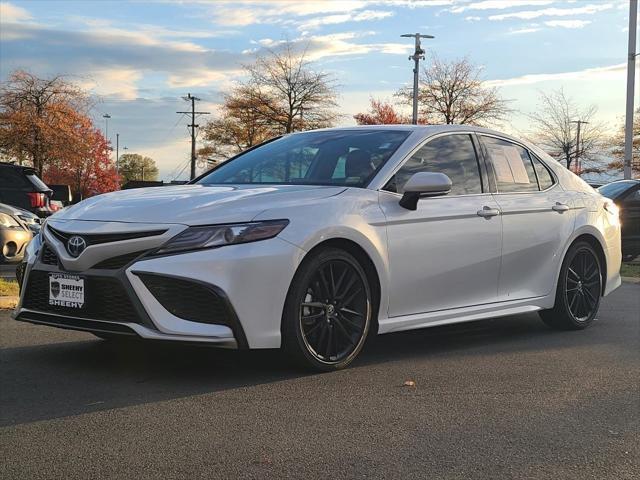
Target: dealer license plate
66,290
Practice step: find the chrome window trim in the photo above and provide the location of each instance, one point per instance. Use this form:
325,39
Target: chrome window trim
412,152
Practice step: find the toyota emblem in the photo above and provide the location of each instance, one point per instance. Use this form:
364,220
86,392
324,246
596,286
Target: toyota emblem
76,245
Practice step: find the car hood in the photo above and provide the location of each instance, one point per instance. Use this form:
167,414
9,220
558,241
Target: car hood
193,204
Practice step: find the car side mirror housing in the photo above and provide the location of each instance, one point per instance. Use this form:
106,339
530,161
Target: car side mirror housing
424,184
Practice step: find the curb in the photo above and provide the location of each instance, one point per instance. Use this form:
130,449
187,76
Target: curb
9,302
631,279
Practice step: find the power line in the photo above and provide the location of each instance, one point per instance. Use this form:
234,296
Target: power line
193,126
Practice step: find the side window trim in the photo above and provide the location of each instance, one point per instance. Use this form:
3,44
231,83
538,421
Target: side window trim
554,179
484,188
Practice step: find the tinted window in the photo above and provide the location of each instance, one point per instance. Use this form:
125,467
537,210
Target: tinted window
545,179
453,155
338,157
511,165
12,178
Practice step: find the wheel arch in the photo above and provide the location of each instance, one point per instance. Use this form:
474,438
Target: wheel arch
596,244
365,261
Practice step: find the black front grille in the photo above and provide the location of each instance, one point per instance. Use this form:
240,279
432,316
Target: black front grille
118,262
49,257
96,238
186,299
105,299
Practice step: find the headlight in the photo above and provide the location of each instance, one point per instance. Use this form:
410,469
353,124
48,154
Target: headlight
7,221
211,236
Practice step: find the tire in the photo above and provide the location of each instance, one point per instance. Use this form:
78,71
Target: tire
327,312
578,292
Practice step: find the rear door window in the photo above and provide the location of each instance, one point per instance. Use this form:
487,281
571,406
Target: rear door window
512,166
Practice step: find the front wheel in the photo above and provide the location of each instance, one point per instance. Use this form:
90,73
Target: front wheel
578,292
327,312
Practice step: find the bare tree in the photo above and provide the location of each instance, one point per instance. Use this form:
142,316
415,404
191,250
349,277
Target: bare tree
454,92
617,147
40,118
284,90
554,128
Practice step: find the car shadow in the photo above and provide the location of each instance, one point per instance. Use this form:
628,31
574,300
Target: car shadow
56,380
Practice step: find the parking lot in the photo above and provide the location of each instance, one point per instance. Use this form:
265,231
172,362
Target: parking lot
504,398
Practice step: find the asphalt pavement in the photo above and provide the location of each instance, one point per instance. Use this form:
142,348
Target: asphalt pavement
501,398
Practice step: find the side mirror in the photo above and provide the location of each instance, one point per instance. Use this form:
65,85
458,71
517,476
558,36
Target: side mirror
424,184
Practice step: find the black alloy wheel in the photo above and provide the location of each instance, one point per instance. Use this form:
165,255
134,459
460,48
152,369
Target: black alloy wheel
328,311
583,285
579,290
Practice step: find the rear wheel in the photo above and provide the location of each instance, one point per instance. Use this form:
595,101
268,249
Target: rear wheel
327,312
579,290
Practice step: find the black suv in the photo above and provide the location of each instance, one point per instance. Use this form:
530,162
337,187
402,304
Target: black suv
21,187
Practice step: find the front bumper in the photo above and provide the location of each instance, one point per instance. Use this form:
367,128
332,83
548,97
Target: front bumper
247,284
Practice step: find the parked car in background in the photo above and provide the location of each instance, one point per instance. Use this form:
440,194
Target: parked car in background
315,240
31,220
14,235
61,194
21,187
626,195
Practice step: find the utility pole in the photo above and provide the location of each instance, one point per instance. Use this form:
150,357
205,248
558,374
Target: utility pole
580,123
193,126
416,57
631,72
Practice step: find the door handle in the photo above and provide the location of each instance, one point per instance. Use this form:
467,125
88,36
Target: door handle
560,207
487,212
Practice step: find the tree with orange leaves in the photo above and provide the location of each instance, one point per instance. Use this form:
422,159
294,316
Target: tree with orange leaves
45,123
37,118
381,113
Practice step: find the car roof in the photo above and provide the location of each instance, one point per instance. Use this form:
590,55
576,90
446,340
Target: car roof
425,130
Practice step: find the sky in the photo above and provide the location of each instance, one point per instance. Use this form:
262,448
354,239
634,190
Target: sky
140,58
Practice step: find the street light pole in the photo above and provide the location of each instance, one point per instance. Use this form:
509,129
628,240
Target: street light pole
418,55
106,117
117,151
631,72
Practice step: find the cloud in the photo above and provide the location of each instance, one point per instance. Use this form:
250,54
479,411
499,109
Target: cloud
115,82
365,15
338,44
524,30
553,12
472,18
499,5
606,73
567,23
9,13
105,56
248,12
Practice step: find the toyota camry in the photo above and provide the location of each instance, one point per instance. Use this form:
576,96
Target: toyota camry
314,241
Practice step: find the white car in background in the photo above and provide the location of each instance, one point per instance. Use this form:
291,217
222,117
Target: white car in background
315,240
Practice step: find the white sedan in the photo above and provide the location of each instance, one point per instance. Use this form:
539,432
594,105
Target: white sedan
313,241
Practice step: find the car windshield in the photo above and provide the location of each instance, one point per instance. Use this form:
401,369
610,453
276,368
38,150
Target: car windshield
613,190
330,157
